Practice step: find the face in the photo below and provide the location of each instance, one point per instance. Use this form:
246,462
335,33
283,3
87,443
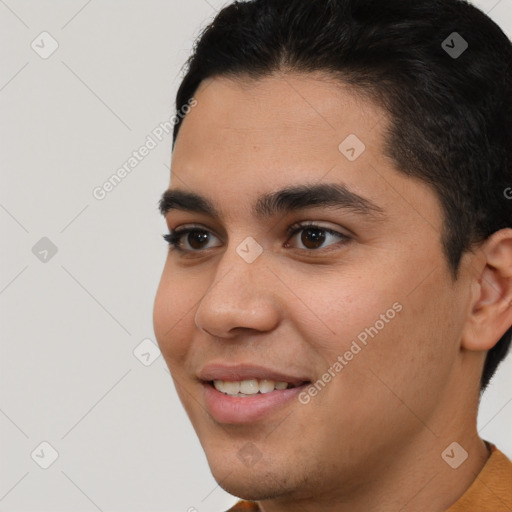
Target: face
318,265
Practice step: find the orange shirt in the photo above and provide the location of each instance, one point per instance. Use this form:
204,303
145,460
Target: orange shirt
491,491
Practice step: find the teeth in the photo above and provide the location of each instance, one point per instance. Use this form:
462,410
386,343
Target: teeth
248,387
219,385
231,388
266,386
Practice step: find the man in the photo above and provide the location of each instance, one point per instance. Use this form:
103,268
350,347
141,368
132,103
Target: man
338,288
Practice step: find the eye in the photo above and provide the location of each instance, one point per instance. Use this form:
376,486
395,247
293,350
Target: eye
194,237
313,236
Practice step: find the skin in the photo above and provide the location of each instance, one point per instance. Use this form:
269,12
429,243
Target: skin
372,438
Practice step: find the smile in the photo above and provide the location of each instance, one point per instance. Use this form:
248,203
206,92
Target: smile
251,387
237,408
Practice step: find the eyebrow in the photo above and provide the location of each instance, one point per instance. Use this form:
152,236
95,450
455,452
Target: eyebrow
283,201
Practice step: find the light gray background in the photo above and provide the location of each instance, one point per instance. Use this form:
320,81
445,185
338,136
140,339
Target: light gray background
70,325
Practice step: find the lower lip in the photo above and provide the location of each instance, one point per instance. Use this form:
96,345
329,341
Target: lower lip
236,409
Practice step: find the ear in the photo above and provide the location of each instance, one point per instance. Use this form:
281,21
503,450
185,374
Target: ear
491,312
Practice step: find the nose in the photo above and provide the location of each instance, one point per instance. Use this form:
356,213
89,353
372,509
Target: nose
241,296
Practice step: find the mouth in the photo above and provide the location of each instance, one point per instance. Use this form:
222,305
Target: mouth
252,387
244,394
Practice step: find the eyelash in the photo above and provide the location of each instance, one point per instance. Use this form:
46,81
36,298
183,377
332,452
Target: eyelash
174,237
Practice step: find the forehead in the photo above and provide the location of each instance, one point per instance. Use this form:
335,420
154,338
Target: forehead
283,128
286,113
250,137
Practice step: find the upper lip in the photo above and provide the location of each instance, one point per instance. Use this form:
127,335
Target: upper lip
239,372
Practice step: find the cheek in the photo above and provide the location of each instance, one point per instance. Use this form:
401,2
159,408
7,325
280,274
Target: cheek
402,366
344,307
411,359
172,313
377,324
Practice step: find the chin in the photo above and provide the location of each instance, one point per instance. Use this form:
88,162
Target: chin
253,482
251,487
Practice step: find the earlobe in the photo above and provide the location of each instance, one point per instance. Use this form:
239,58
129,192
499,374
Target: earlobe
491,311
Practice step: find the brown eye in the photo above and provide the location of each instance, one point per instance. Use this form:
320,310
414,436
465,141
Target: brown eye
188,239
196,238
313,236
